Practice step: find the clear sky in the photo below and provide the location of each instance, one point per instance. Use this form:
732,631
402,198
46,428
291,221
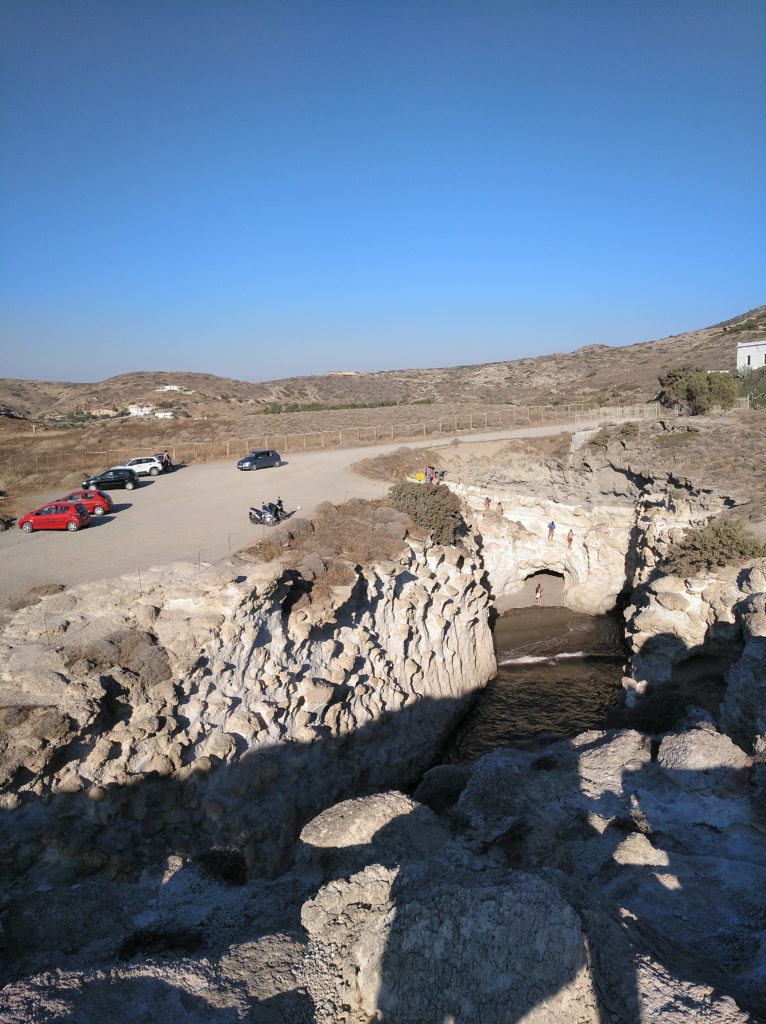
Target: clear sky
264,189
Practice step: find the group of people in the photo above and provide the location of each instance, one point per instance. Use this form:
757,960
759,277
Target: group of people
488,505
167,462
552,531
433,476
551,524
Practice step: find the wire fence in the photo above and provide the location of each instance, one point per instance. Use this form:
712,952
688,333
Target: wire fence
350,436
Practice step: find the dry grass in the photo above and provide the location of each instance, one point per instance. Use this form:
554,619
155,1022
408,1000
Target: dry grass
398,465
723,454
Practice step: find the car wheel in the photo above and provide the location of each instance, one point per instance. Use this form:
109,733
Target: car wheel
154,471
28,528
278,463
72,526
129,485
98,510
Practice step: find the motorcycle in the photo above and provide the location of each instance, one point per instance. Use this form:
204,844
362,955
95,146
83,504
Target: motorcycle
271,513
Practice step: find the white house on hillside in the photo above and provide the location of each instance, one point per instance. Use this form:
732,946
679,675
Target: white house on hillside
751,354
140,410
169,387
164,415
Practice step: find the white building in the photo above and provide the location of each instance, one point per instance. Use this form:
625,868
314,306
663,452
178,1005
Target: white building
169,387
751,355
164,415
140,410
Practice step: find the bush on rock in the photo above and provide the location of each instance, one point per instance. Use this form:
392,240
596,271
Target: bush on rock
435,509
717,544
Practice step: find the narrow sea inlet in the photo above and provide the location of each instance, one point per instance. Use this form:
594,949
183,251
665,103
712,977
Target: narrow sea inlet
559,672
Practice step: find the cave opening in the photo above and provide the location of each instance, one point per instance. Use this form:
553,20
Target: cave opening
552,584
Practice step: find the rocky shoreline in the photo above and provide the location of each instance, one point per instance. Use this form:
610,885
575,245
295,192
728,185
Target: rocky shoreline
205,811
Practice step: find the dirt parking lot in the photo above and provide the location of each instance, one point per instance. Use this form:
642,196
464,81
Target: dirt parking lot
198,512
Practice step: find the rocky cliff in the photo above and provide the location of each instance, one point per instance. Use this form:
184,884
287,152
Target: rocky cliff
619,517
202,727
190,711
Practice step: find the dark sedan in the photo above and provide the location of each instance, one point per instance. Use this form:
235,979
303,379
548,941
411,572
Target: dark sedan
262,458
110,479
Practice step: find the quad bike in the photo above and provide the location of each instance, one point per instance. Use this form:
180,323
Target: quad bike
271,513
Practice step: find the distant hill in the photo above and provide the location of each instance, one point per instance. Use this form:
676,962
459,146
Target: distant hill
595,372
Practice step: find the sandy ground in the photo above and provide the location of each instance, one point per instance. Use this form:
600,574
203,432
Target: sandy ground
198,513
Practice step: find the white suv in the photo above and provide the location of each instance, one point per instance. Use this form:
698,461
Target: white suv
145,465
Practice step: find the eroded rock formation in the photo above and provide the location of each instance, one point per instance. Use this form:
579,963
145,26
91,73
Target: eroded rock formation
619,518
200,710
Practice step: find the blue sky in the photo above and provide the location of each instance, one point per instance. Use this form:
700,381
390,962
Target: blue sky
266,189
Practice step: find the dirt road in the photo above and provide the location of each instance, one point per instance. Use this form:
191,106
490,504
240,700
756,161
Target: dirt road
196,513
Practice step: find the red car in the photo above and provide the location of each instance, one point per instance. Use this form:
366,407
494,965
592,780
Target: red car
59,515
96,502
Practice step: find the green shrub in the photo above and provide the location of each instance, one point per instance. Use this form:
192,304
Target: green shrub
625,433
435,509
753,384
600,439
723,389
708,547
695,390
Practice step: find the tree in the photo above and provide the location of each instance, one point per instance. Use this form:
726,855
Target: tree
695,390
753,384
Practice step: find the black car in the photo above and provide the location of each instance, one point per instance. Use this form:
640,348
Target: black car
260,459
111,479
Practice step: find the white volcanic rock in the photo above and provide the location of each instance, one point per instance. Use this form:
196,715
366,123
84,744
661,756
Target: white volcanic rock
721,614
743,711
384,828
515,545
588,867
410,946
205,692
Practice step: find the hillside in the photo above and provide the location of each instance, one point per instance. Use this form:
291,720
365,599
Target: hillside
593,373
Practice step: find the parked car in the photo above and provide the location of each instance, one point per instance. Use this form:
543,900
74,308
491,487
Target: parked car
109,479
260,459
144,465
97,502
58,515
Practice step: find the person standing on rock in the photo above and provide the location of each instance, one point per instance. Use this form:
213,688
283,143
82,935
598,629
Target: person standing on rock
570,538
551,529
499,508
539,594
487,503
